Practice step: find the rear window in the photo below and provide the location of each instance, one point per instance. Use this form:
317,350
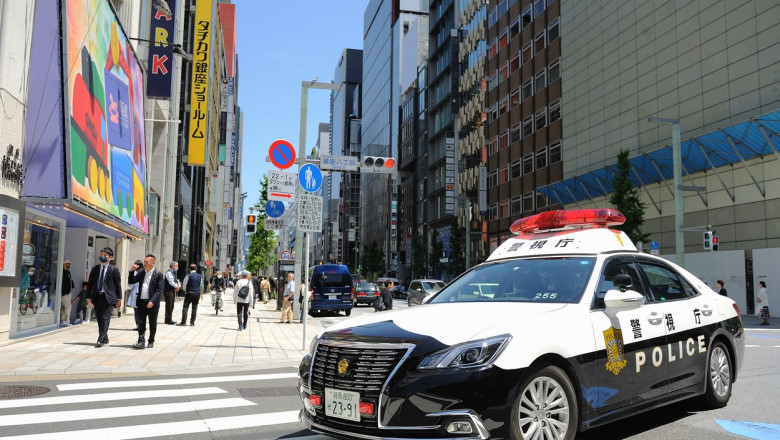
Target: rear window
331,280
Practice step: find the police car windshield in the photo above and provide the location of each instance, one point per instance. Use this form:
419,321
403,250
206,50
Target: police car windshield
539,280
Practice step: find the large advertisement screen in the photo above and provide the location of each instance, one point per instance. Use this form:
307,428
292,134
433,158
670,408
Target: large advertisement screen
105,114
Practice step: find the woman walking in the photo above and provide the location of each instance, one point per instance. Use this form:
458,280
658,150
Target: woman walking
242,296
762,303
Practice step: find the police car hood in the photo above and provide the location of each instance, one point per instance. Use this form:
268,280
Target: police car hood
452,323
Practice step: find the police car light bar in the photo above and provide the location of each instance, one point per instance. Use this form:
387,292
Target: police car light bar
599,218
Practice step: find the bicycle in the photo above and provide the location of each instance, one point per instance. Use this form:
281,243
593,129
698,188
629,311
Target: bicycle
28,300
216,301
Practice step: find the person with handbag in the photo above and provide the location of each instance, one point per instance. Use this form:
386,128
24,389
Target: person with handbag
289,293
242,296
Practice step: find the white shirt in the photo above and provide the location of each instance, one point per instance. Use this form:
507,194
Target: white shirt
145,286
241,283
290,288
763,298
170,276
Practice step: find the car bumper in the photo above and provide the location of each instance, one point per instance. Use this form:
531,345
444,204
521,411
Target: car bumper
365,299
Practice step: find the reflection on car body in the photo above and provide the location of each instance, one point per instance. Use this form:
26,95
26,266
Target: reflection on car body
366,293
615,332
419,290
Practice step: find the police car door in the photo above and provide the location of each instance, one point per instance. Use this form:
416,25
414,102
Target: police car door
689,322
627,372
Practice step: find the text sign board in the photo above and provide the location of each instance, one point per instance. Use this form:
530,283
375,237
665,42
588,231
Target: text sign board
310,213
310,177
281,185
339,163
274,223
282,154
274,209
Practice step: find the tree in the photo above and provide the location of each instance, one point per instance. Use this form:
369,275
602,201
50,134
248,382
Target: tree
436,253
261,245
419,268
457,252
372,261
626,200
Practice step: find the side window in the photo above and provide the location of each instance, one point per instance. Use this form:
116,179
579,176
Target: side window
666,284
615,267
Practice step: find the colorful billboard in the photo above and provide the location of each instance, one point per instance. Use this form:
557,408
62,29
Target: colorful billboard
199,104
105,114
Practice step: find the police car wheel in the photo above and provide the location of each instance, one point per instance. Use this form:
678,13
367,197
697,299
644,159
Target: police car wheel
546,407
719,377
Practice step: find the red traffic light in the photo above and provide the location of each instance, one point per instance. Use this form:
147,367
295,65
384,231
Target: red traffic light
251,219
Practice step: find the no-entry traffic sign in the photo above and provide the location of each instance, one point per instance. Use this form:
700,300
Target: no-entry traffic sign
282,154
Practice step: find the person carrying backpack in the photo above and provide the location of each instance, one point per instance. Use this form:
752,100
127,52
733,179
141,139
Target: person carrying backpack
242,296
193,287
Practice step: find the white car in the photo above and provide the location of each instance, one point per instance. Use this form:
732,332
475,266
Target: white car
581,330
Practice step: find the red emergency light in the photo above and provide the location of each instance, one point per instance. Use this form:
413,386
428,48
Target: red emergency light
597,218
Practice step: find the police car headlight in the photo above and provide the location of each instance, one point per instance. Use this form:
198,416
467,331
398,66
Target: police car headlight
473,354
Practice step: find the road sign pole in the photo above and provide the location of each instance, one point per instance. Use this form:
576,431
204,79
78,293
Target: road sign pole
305,289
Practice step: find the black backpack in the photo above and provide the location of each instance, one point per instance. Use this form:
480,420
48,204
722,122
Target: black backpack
243,292
379,304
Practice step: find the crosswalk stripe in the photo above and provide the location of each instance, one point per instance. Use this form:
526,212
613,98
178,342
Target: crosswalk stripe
167,382
123,411
169,429
105,397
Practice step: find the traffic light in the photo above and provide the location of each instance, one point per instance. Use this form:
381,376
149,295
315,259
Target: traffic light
715,243
251,224
708,240
374,164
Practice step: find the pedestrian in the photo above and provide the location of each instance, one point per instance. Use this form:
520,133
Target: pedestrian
289,293
132,296
218,283
67,286
149,294
193,287
112,262
721,289
265,289
387,295
81,310
301,295
762,304
170,288
104,293
242,296
256,286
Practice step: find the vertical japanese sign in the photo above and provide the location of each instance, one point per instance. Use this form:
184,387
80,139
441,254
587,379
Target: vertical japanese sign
161,33
199,108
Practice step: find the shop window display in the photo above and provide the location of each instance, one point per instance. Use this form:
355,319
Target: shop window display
37,304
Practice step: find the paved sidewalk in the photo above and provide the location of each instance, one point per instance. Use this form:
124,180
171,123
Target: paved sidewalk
214,344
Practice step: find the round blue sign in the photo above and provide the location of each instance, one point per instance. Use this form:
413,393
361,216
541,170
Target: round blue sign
310,177
274,209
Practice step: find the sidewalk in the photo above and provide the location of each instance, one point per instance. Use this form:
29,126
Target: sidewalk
214,344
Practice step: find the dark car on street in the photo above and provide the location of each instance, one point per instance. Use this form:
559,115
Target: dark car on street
366,293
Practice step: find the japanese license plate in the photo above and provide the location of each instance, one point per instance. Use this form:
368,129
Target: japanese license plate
342,404
333,296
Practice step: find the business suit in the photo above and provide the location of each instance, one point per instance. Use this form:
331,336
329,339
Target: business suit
154,292
105,299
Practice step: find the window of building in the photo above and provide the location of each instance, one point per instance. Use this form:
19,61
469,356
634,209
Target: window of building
503,140
528,201
514,99
493,113
539,43
494,145
503,39
503,106
493,179
502,8
554,71
493,17
493,212
528,164
541,201
493,49
503,208
555,111
514,64
541,80
541,119
527,16
514,28
528,89
554,30
503,174
493,81
516,170
538,7
503,72
555,152
527,53
515,134
541,158
516,207
528,127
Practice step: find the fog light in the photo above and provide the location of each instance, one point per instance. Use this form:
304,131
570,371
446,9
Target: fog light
315,400
367,408
459,428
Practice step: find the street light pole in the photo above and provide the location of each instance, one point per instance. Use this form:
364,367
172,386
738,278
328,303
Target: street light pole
679,244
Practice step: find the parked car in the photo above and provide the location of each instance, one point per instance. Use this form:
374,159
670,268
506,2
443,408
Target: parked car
366,293
398,290
421,289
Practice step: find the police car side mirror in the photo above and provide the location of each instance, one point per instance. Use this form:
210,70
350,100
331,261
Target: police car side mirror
618,300
622,281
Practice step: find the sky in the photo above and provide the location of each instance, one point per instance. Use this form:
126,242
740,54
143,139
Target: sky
280,44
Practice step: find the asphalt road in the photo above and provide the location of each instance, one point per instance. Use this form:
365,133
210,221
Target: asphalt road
263,404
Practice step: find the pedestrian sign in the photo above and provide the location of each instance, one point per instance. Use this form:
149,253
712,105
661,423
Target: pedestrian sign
282,154
274,209
310,177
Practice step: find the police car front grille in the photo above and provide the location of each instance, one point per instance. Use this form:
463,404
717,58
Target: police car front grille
368,370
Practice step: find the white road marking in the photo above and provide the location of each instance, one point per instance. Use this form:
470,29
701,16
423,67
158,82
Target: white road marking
123,411
762,346
106,397
168,382
170,429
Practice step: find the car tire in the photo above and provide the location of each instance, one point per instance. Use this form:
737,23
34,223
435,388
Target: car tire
719,376
347,312
545,401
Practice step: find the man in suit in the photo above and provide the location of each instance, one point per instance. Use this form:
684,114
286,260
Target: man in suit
170,288
150,291
193,287
104,292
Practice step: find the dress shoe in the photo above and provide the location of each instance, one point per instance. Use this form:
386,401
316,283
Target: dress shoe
98,344
150,345
139,345
105,342
239,328
182,323
170,323
192,323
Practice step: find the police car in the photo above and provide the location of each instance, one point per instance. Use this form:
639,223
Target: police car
578,329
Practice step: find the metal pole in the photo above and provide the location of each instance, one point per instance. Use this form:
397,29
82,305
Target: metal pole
678,198
467,205
305,288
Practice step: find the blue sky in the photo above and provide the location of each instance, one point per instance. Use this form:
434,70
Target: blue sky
280,44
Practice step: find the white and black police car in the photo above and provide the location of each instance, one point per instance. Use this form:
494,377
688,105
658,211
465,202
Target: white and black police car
565,327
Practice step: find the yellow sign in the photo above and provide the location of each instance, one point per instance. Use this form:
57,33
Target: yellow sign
616,360
199,108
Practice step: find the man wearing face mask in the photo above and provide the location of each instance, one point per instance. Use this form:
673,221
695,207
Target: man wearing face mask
67,286
104,293
217,283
